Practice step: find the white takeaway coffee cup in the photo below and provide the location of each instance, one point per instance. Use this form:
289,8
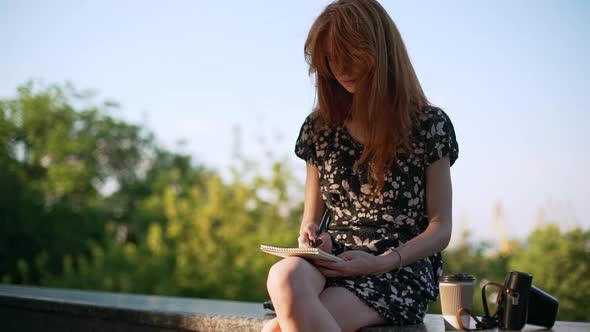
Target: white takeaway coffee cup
456,291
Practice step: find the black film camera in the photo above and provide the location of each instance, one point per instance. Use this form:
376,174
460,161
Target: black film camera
518,303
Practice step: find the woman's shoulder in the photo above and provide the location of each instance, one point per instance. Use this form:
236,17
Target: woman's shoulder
314,125
436,133
431,113
315,118
312,139
430,119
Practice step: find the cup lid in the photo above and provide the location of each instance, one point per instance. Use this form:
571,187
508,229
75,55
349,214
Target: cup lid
456,277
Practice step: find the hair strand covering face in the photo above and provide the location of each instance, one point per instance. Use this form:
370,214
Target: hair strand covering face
363,41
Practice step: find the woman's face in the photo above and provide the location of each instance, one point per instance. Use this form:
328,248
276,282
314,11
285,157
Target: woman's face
342,75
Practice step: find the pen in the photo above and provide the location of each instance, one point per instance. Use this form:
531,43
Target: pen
323,226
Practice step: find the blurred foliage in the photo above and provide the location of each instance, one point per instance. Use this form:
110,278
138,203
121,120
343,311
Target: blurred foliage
53,160
88,201
560,264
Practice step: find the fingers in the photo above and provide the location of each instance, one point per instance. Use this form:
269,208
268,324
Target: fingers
324,242
324,237
331,269
332,272
327,264
328,272
324,246
346,255
307,236
353,265
311,231
303,241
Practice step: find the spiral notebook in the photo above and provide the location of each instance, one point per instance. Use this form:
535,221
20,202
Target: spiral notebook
309,253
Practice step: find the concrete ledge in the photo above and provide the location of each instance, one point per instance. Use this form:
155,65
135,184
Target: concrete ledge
52,309
25,308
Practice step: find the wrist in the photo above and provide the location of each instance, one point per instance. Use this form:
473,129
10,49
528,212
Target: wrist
388,261
303,226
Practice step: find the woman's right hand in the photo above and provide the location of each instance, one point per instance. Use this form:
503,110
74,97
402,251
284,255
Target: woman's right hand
307,236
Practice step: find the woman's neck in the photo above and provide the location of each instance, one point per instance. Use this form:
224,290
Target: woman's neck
354,131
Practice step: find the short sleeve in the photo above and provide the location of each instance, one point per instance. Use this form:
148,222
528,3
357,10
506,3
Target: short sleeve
305,146
440,137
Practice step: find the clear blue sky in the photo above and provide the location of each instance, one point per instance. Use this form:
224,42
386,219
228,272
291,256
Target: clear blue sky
512,75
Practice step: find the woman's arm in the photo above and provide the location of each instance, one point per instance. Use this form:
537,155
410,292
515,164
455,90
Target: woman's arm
435,238
313,208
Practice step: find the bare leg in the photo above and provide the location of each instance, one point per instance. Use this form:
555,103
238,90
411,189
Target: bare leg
348,310
271,326
294,286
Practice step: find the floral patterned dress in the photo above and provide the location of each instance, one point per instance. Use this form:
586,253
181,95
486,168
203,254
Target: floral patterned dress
391,218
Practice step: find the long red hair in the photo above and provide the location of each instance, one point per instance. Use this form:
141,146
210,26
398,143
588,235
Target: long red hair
364,41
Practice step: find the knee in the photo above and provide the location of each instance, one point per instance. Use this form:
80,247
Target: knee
271,326
285,277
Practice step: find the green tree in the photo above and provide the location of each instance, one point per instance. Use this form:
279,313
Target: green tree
54,158
205,246
560,263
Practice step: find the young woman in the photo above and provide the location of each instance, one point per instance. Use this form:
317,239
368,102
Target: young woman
378,157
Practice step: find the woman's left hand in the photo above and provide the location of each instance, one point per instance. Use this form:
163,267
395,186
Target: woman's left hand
355,263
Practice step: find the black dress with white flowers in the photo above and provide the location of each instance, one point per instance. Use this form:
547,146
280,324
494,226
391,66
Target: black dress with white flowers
389,219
